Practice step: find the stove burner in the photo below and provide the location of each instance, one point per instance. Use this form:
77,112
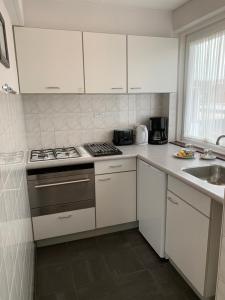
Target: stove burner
69,152
50,154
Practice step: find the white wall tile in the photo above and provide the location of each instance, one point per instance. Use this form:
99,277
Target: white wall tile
34,140
70,116
46,123
48,139
32,122
16,238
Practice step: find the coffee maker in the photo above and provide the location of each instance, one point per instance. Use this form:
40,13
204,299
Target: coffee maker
158,130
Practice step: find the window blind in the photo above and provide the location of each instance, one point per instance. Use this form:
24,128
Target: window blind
204,111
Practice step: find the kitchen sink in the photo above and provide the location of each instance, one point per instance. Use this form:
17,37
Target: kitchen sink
213,174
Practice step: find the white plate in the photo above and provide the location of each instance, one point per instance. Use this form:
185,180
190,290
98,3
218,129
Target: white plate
207,157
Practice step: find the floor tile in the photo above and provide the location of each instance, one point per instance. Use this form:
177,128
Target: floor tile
118,266
111,243
134,237
52,255
54,279
138,284
59,296
123,261
90,271
147,256
83,249
97,291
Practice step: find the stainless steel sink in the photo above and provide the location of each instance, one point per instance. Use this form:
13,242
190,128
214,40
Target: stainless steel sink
213,174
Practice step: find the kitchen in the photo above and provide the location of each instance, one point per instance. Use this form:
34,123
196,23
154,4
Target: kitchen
111,114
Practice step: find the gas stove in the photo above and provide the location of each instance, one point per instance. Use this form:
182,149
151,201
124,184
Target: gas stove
51,154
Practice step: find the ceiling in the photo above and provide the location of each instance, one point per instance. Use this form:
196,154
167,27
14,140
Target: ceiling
154,4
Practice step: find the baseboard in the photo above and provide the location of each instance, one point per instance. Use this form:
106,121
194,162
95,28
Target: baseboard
86,234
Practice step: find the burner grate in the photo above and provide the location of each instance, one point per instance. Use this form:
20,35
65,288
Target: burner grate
50,154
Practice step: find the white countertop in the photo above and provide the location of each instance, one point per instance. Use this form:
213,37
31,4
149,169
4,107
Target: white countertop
160,157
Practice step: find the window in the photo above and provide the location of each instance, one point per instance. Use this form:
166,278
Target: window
204,110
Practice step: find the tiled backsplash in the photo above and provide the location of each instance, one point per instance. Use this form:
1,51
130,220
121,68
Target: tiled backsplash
61,120
16,239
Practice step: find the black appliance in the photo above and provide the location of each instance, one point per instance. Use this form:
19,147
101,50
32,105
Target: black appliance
158,130
123,137
102,149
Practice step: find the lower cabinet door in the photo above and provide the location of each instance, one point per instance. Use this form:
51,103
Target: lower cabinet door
151,200
115,198
187,240
60,224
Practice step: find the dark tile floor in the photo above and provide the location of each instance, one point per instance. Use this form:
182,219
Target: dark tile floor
118,266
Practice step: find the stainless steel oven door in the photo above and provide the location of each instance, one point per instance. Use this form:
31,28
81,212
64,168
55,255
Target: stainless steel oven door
55,192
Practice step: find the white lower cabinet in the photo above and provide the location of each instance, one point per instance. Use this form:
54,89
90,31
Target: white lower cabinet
151,204
49,226
115,198
192,236
187,240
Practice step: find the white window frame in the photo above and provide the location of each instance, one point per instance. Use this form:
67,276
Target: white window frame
185,39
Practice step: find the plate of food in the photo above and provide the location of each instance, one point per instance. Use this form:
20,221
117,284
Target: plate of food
185,154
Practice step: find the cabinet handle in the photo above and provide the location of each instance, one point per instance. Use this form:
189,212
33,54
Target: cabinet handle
52,87
65,217
136,88
105,179
117,88
61,183
116,166
173,201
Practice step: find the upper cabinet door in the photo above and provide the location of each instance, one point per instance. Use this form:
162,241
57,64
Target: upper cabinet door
152,64
105,63
49,61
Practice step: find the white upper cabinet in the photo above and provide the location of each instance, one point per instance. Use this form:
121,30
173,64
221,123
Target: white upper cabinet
152,64
49,61
105,63
8,75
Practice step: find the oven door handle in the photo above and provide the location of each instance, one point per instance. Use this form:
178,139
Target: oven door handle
61,183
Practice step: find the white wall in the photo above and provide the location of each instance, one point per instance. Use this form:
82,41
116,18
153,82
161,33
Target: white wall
195,11
16,238
75,15
8,75
15,10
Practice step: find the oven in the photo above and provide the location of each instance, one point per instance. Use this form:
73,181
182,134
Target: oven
61,189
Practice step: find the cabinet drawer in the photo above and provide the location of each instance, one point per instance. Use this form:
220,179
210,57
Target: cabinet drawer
190,195
50,226
115,166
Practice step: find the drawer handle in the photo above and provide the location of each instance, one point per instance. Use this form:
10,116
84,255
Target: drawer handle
135,88
65,217
52,87
105,179
173,201
117,88
61,183
116,166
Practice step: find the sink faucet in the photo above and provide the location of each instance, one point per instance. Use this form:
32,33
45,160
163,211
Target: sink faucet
219,138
